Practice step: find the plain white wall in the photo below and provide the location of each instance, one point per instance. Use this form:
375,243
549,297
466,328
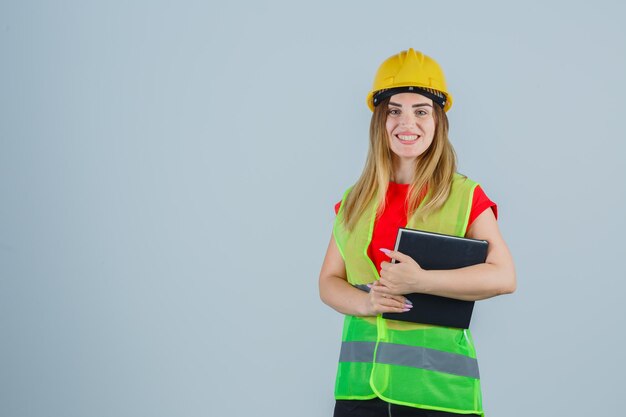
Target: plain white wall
168,172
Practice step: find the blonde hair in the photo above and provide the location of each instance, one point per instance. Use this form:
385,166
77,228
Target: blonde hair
433,174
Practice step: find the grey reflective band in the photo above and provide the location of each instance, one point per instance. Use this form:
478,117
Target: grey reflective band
357,351
362,287
424,358
412,356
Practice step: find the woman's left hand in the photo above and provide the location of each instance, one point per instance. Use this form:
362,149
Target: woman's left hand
401,278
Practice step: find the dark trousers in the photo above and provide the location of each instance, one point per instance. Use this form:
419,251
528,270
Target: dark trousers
379,408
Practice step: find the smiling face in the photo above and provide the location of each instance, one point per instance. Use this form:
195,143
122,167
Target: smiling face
410,125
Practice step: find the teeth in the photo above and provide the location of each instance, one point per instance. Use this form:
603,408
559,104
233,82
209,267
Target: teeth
407,137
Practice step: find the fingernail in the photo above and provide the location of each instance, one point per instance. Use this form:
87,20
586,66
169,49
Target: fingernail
407,301
408,306
405,310
369,285
385,251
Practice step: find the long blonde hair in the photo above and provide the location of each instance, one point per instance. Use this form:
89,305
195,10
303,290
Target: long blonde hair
433,174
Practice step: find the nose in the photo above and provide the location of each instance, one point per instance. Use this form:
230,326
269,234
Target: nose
407,119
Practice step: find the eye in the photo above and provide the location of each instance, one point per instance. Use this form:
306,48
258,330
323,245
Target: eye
421,112
393,111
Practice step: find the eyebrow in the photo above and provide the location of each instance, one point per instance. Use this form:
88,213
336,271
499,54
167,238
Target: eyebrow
414,106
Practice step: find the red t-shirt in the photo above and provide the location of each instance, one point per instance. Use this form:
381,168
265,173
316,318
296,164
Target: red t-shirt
386,227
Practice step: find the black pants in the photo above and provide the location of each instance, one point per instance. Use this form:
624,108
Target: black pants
379,408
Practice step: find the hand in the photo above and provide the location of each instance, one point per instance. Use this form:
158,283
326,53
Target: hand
380,302
401,278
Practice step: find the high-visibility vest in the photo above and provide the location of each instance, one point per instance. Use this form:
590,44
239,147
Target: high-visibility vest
410,364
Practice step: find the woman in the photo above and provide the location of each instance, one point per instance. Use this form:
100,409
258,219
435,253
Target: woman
389,367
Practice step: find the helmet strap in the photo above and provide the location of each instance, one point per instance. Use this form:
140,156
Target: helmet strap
434,95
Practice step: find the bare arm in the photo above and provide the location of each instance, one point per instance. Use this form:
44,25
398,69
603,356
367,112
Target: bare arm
495,277
336,292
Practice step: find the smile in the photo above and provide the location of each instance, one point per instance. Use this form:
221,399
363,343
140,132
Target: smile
408,138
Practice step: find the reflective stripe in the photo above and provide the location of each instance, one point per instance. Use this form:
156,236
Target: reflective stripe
362,287
357,352
424,358
412,356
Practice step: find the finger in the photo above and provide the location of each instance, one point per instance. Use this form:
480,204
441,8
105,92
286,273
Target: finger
381,289
378,284
385,275
397,300
379,296
398,256
394,305
402,299
391,300
386,285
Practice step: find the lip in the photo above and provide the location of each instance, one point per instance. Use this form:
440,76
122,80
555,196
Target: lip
407,142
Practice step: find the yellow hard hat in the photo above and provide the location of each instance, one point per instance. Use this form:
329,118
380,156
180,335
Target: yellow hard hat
410,71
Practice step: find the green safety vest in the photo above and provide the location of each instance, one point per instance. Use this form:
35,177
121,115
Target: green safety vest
410,364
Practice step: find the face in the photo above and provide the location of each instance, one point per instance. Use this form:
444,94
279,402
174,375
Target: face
410,125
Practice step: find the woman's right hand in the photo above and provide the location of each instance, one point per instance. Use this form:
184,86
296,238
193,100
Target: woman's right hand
347,299
379,302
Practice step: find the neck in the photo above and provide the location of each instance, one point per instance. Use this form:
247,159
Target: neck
403,171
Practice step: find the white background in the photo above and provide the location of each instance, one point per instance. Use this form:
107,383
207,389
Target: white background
168,172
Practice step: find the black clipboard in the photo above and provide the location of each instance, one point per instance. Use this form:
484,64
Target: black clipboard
438,251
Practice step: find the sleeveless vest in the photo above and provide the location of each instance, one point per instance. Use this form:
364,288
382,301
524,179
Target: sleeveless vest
410,364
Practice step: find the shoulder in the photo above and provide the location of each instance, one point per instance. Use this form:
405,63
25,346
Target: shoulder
480,200
345,194
462,188
463,181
